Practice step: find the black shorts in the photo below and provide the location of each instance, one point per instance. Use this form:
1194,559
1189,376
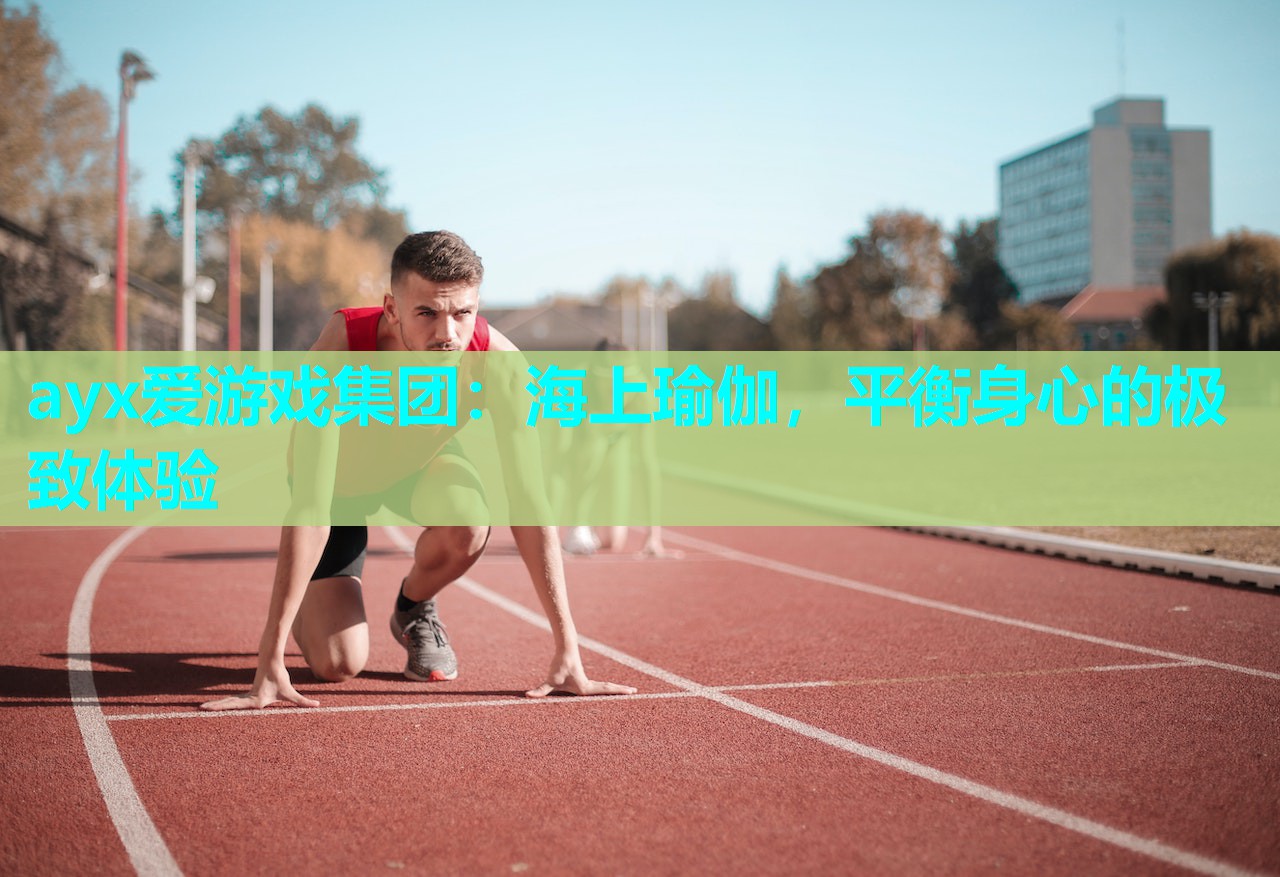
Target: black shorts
343,554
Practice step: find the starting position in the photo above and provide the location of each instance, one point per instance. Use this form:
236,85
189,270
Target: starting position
435,288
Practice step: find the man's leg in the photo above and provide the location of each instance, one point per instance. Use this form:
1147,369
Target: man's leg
447,493
331,628
442,555
448,490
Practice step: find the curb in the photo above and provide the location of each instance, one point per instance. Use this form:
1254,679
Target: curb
1218,572
1169,563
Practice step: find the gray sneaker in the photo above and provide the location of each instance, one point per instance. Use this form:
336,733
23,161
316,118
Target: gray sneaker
420,631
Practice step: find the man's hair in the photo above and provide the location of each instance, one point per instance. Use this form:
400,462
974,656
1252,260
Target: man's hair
438,256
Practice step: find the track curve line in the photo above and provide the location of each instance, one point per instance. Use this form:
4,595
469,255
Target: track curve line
142,842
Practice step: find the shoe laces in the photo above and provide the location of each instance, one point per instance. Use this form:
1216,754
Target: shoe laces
427,624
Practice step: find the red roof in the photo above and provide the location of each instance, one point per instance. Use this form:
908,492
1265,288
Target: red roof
1111,304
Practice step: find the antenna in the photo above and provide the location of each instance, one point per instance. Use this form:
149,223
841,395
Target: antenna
1120,35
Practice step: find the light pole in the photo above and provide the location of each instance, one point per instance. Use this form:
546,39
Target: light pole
233,279
630,302
1212,302
194,289
266,297
650,301
132,71
667,298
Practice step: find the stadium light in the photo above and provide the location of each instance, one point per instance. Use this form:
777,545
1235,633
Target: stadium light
132,71
195,289
266,296
1212,302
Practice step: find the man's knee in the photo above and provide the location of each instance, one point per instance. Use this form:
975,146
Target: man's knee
337,656
465,543
459,545
336,667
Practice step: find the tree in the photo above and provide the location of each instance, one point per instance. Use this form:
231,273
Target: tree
26,54
621,291
56,179
1244,263
300,182
77,185
720,288
153,251
315,271
1033,327
792,315
301,168
385,225
980,285
854,305
56,149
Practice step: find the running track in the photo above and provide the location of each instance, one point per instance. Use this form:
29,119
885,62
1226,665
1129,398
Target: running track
812,701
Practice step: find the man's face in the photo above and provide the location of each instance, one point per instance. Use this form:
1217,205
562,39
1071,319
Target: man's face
431,315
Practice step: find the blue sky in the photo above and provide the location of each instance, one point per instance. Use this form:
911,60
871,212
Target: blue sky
569,142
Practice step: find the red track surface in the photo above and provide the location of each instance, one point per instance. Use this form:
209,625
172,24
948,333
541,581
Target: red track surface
963,724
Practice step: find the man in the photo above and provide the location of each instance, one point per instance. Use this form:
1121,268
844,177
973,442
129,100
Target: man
435,287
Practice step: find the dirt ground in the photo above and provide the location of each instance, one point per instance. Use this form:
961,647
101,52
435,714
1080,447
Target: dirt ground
1245,544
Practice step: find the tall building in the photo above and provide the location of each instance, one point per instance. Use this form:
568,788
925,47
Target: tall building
1104,207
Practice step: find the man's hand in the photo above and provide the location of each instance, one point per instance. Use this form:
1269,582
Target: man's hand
567,676
270,685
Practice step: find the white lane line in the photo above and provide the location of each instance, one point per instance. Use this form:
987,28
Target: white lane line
904,597
1052,815
1161,666
954,677
601,558
142,842
383,707
663,695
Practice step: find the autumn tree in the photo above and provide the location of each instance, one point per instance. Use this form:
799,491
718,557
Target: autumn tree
300,184
57,153
56,161
321,270
1244,263
854,300
302,168
1032,327
26,54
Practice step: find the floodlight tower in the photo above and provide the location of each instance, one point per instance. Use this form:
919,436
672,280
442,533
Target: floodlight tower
1212,302
132,71
194,289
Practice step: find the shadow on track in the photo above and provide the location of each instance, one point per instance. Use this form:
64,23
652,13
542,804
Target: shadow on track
244,554
121,679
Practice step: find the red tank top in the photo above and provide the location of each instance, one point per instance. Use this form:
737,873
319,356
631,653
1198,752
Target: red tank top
362,329
373,457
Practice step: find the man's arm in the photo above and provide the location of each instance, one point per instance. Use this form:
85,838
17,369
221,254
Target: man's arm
539,546
314,458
